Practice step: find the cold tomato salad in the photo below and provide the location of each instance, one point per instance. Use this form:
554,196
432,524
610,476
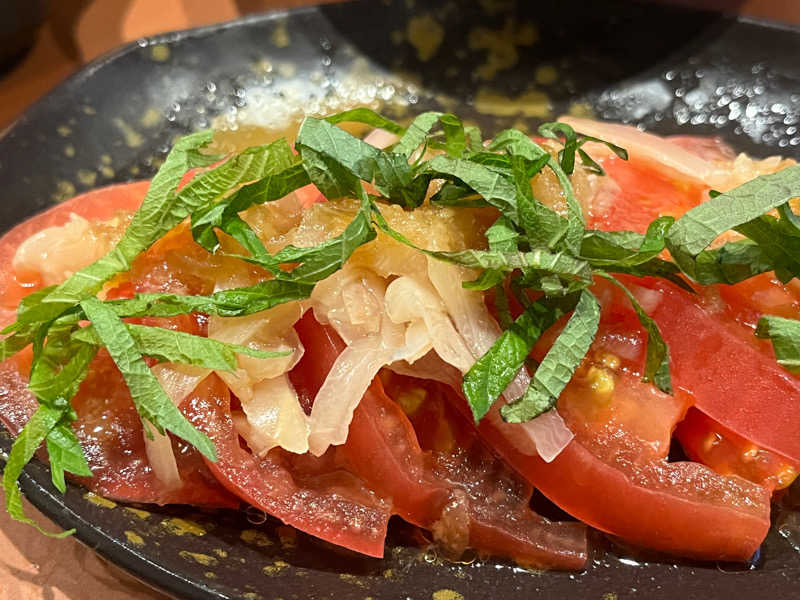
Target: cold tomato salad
427,324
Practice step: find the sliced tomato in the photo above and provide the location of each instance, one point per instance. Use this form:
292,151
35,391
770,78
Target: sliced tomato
615,475
708,442
643,195
320,496
457,489
112,437
99,204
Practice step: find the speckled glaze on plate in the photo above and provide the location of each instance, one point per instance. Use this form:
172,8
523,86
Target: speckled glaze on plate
498,64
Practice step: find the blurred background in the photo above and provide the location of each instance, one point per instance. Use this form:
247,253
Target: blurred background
42,42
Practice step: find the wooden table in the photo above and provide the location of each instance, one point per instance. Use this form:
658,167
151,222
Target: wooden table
33,567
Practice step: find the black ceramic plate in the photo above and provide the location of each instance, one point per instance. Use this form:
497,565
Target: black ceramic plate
670,70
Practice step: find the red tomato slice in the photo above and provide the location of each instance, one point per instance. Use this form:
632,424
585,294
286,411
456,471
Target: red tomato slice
708,442
320,496
112,436
614,475
98,205
730,376
459,489
108,425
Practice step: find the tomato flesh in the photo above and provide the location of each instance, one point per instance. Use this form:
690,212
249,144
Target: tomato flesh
320,496
457,489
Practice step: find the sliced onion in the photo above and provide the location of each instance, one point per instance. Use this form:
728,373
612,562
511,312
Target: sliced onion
660,152
55,253
161,457
380,138
275,417
178,382
345,385
409,299
547,434
430,366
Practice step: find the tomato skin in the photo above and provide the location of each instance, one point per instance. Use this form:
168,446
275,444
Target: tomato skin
732,378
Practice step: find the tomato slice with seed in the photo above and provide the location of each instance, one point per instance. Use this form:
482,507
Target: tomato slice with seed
452,484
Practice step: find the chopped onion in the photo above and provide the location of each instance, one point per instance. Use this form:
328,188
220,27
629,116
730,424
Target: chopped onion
660,152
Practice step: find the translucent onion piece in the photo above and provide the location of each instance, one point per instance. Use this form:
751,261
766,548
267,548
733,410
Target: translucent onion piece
465,307
351,301
658,151
55,253
178,382
408,299
547,434
343,389
161,457
429,366
275,417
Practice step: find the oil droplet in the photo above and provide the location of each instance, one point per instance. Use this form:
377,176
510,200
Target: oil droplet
142,514
99,500
88,110
150,118
445,594
63,130
275,568
280,35
160,53
210,575
134,538
352,579
426,35
69,150
203,559
255,537
178,526
86,177
133,139
220,552
529,104
546,75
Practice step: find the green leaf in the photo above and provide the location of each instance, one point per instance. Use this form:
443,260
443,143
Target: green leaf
235,302
282,175
543,226
567,154
366,116
417,133
161,210
626,248
496,190
455,140
491,374
785,337
559,364
22,450
151,401
66,455
517,143
657,361
696,229
180,347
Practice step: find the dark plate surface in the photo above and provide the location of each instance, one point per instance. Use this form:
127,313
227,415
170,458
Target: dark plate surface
670,70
